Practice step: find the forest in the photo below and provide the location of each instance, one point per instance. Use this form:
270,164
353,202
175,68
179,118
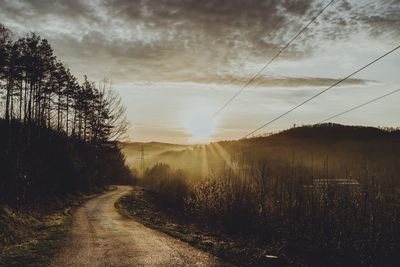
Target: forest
57,135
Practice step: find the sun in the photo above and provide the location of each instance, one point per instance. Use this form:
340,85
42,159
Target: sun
200,126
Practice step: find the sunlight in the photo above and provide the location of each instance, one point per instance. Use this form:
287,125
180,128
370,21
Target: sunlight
225,156
200,126
204,161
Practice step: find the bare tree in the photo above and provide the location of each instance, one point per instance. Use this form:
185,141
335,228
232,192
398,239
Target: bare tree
115,120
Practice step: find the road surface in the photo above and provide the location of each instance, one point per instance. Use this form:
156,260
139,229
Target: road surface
100,236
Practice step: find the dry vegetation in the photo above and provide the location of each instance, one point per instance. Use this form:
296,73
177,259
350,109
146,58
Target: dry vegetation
322,195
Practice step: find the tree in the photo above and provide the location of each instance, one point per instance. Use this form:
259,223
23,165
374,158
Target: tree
5,43
116,118
113,123
44,93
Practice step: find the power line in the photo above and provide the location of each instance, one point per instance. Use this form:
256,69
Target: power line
271,60
359,106
321,92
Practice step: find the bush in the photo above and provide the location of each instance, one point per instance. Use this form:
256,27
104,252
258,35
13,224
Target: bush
171,185
333,223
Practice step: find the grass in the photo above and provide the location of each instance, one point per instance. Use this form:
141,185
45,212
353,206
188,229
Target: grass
147,208
35,239
32,236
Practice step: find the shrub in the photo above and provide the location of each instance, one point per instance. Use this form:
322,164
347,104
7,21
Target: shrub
335,223
171,185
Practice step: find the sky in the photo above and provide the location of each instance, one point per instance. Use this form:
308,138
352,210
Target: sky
176,62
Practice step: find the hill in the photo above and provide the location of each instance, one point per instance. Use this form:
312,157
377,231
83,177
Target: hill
323,195
333,133
315,146
132,151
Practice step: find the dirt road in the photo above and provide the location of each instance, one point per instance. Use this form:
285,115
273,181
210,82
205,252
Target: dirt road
100,236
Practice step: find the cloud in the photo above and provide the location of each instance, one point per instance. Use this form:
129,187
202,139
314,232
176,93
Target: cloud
229,27
265,81
186,39
261,81
374,17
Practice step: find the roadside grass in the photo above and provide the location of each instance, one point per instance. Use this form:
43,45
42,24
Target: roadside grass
36,238
145,207
31,236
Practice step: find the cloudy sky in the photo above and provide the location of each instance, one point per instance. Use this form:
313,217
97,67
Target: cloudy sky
175,62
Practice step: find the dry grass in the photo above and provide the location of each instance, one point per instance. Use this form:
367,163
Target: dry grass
331,225
30,239
145,207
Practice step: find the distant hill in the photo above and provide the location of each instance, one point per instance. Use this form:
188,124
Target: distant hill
132,150
152,146
339,146
324,138
340,143
335,133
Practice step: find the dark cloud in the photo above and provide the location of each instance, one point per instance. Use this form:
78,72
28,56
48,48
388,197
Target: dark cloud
375,17
228,23
32,10
265,81
380,25
188,39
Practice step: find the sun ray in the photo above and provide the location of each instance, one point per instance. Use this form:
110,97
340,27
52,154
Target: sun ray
225,156
204,162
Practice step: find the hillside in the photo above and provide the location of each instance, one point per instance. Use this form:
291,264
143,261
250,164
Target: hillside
333,133
316,145
304,194
36,162
132,151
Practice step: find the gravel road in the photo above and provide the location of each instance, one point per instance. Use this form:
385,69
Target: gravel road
100,236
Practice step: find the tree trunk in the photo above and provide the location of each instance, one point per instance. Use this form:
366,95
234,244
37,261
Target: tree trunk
8,96
20,100
58,112
67,109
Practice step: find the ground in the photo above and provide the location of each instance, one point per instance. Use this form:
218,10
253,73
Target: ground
100,236
146,207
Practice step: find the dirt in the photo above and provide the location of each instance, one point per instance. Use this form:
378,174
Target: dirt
149,209
100,236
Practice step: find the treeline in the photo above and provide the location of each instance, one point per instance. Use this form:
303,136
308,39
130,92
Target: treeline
39,89
57,135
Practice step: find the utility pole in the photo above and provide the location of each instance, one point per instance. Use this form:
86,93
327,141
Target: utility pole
141,158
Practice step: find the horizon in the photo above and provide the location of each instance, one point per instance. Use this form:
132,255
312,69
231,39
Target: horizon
266,134
175,63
